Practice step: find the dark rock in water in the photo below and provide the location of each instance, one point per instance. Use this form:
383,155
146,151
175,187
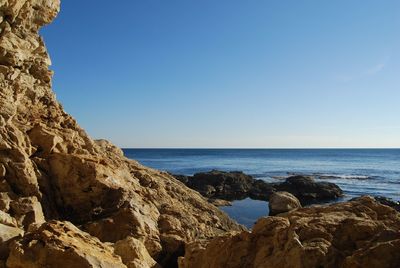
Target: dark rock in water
238,185
234,185
307,190
261,190
388,202
225,185
182,178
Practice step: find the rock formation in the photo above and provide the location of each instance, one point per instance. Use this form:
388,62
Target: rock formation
308,191
69,201
281,202
388,202
356,234
61,244
237,185
51,170
227,185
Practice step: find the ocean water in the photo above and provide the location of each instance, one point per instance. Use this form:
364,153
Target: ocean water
357,171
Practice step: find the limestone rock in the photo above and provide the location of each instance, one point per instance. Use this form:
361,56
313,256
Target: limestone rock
133,252
27,210
2,171
61,244
6,219
51,169
360,233
5,201
220,202
7,233
280,202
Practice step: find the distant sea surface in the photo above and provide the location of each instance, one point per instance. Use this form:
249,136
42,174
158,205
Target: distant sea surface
357,171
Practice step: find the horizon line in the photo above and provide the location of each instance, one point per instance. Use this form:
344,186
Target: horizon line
263,148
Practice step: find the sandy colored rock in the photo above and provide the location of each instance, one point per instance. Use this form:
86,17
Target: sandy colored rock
51,169
27,210
61,244
6,219
133,252
2,171
5,201
220,202
361,233
280,202
7,233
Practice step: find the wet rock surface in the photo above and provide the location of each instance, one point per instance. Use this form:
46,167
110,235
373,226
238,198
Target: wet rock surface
308,191
227,185
237,185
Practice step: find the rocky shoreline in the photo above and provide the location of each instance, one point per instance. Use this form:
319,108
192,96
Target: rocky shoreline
237,185
69,201
359,233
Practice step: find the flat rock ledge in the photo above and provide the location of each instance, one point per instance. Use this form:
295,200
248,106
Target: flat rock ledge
357,234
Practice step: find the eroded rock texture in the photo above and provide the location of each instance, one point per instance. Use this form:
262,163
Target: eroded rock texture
360,233
62,245
51,169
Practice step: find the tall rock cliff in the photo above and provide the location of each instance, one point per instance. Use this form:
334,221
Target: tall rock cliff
52,172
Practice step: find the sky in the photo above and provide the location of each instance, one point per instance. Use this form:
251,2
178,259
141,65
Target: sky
230,73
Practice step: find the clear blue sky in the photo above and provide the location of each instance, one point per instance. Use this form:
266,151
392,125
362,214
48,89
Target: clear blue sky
230,73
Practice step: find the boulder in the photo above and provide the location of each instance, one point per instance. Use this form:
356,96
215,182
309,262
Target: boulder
61,244
308,191
27,210
6,219
281,202
134,254
360,233
7,234
219,184
5,201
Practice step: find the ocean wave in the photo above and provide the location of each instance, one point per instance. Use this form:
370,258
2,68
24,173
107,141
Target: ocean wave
344,177
318,176
330,176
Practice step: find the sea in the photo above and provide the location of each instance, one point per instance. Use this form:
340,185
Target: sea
357,171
